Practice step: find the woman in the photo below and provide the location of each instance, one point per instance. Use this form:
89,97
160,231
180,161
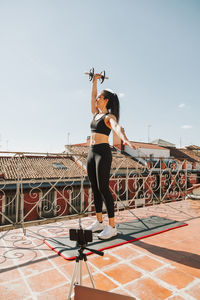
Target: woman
105,110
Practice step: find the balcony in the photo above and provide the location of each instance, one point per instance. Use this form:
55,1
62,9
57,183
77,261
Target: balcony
43,188
164,266
48,204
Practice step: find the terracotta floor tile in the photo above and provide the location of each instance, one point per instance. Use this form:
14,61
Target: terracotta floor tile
121,292
190,245
6,265
148,289
23,256
174,277
101,262
159,239
16,290
178,233
68,269
36,267
163,253
194,221
28,242
189,266
11,274
193,229
147,263
5,262
58,261
46,280
176,297
194,291
101,282
59,293
125,252
122,273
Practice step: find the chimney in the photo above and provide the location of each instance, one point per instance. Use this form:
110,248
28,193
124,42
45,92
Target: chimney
117,142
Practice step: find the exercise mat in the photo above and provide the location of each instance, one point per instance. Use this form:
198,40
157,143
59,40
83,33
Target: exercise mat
127,232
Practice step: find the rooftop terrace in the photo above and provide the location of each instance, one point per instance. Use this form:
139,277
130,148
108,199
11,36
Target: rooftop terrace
163,266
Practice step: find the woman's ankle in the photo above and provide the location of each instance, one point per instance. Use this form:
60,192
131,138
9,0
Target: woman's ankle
99,217
112,222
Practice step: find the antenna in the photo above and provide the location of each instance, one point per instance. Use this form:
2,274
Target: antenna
68,134
149,126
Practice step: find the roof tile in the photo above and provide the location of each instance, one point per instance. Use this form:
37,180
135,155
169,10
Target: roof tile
38,167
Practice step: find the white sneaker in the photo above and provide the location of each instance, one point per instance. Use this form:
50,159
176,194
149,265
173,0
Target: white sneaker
96,226
107,233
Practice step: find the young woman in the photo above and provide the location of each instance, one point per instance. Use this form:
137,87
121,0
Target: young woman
105,110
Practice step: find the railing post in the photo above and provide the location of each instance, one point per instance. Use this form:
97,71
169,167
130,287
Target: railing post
22,209
186,172
54,204
17,201
160,181
126,187
82,195
18,192
3,209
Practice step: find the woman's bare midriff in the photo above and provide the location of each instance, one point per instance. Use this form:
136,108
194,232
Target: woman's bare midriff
98,138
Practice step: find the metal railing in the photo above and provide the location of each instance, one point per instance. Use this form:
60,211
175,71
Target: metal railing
41,188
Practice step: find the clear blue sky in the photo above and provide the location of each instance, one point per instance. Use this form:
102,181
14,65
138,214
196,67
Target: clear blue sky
150,50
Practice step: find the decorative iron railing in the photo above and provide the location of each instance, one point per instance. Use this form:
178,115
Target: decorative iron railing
40,188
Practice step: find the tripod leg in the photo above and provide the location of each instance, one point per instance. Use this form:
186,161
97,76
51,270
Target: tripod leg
76,267
90,274
80,272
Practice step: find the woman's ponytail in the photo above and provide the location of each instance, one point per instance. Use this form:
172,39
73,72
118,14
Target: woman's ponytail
113,103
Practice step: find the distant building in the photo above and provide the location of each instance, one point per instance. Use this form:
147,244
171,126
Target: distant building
148,150
163,143
144,150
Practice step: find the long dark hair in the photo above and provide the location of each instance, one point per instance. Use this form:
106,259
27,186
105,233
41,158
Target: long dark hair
113,103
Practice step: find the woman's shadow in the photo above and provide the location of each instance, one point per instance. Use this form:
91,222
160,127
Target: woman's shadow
182,257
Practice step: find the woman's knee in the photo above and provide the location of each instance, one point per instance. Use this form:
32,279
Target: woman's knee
104,189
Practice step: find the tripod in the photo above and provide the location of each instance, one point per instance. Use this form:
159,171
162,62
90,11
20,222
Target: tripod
77,273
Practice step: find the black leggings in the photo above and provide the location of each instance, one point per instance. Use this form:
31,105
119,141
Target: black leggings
98,169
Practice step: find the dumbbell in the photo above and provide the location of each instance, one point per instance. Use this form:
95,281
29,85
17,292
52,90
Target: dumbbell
91,75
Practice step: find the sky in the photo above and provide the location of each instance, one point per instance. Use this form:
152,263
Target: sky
150,50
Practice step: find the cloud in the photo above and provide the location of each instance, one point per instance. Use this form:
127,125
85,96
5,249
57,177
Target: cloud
186,126
121,95
182,105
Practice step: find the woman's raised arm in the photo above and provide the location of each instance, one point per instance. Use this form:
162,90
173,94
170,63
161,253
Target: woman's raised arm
94,93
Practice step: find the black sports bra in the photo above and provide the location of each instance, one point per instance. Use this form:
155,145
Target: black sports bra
99,126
